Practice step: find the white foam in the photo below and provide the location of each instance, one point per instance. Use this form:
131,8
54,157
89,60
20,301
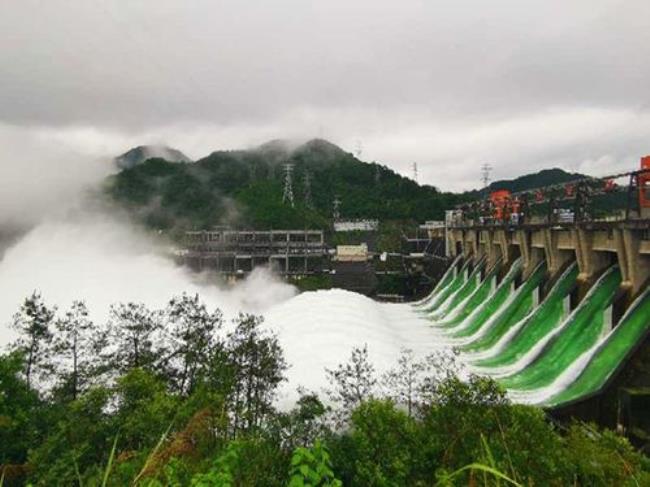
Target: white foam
318,330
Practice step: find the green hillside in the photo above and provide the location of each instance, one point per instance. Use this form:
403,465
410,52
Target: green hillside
244,188
527,182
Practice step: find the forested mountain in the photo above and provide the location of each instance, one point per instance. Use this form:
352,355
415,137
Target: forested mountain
542,178
139,154
245,188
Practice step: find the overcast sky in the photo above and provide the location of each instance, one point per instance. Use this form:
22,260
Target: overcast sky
521,84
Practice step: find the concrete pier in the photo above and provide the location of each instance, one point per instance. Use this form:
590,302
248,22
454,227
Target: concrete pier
594,246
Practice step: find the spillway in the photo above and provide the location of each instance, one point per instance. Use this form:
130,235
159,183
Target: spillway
512,325
609,354
540,350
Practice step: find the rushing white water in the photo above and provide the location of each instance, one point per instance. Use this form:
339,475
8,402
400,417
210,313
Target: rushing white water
502,343
103,261
537,349
561,382
319,329
441,284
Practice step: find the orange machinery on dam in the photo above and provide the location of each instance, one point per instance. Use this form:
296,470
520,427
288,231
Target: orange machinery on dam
594,224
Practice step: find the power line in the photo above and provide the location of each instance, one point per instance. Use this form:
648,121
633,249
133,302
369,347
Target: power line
336,204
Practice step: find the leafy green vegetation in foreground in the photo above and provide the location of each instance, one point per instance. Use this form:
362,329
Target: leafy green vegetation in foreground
169,398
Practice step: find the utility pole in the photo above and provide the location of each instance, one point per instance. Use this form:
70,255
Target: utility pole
415,172
336,213
485,174
307,183
288,184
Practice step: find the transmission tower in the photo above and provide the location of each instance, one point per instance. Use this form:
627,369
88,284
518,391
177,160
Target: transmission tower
485,174
307,183
336,213
288,184
415,172
359,149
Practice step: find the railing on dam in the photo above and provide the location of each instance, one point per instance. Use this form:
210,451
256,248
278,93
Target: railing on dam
614,198
595,222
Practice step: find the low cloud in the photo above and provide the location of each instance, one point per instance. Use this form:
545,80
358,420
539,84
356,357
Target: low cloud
104,260
523,86
42,175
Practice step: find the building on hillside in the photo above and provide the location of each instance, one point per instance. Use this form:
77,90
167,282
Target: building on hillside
356,225
351,253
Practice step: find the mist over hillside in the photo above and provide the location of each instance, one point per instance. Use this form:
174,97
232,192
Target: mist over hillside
139,154
244,188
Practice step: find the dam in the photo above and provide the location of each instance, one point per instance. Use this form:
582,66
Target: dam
556,309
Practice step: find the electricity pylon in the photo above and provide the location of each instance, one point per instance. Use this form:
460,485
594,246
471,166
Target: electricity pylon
288,184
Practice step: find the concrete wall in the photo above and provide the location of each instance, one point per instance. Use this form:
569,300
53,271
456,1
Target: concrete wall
593,247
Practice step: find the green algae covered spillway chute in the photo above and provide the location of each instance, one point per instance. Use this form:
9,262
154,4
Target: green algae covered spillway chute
540,350
444,293
542,321
444,281
582,330
515,310
489,307
471,283
611,353
479,296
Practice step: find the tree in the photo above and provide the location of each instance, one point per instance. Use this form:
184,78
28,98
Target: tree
18,405
380,448
258,365
352,382
312,467
145,409
76,349
33,323
80,439
192,329
439,368
304,424
133,336
403,384
603,457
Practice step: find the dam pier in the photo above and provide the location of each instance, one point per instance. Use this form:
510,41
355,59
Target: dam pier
594,246
548,292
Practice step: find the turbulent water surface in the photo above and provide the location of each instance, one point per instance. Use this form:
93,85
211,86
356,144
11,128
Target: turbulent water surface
319,329
540,350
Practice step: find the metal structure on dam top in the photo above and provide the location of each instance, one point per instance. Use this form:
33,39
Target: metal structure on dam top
590,267
502,207
532,224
